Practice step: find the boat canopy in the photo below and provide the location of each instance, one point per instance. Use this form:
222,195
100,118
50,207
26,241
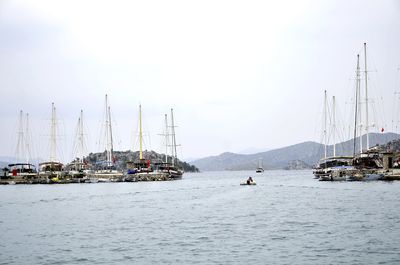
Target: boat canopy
336,161
22,168
51,166
21,165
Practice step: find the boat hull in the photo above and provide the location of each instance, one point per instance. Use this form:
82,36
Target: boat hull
248,184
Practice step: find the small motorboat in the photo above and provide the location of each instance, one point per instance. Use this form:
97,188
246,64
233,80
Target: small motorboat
250,183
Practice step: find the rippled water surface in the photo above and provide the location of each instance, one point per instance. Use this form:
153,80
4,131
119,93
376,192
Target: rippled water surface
205,218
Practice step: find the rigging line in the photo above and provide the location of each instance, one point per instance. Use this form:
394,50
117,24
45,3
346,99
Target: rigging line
318,122
33,141
28,155
74,143
379,115
377,93
135,133
135,136
146,141
60,147
349,110
146,134
341,128
319,130
395,100
131,140
396,108
115,131
375,124
338,125
101,142
87,135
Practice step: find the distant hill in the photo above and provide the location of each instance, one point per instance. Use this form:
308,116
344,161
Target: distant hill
298,155
253,150
393,145
121,157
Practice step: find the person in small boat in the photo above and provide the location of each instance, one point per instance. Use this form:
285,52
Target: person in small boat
249,180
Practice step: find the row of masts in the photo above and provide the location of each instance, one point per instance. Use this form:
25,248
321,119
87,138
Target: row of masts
169,135
23,150
357,112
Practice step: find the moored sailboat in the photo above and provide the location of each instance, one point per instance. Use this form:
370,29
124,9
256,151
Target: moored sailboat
260,168
368,162
52,169
79,167
144,170
137,170
20,168
172,168
106,170
334,168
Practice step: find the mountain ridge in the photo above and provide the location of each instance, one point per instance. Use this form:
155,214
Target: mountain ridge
306,153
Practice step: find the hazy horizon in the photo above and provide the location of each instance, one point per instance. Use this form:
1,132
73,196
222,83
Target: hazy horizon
239,75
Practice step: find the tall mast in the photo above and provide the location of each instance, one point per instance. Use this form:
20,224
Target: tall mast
356,103
53,131
140,134
166,139
334,124
111,147
27,139
174,156
366,95
81,136
107,132
19,151
81,143
359,101
325,118
79,147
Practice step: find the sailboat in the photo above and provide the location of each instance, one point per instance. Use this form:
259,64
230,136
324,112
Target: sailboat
106,170
167,170
142,165
172,169
260,168
20,168
368,162
334,167
52,170
78,167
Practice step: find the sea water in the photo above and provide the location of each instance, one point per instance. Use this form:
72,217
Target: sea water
205,218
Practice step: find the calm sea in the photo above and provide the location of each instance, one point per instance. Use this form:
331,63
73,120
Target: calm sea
205,218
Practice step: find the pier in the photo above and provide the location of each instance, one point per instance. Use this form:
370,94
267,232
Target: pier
86,178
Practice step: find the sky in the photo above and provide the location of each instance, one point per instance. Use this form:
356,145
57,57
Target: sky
239,75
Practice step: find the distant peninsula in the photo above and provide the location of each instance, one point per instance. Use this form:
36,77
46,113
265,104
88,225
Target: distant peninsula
121,157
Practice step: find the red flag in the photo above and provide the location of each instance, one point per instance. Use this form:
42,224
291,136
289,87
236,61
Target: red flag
148,163
382,130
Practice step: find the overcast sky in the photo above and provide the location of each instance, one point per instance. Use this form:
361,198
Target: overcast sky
239,74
